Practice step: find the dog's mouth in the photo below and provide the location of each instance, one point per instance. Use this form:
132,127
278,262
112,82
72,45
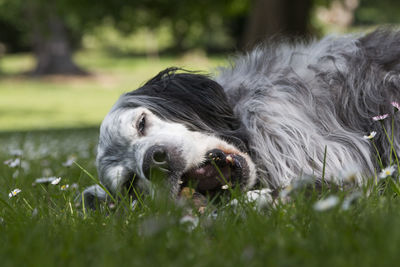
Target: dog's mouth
220,172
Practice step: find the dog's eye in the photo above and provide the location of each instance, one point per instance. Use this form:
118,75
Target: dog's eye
141,124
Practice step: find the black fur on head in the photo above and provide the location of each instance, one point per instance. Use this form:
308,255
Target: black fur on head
191,99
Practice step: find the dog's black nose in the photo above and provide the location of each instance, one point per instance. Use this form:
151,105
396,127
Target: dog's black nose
159,156
156,157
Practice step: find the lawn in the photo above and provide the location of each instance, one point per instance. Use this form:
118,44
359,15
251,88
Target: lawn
43,225
67,102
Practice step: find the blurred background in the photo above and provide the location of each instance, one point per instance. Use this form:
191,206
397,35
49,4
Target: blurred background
63,63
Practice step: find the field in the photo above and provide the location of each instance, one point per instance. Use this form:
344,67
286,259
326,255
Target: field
65,102
43,226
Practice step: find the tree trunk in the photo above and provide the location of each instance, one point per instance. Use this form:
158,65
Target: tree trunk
2,52
51,44
272,17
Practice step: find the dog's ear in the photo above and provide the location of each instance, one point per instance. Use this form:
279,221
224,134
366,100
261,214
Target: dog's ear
190,98
92,196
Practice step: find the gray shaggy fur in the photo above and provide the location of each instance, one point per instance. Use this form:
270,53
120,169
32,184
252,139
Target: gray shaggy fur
295,100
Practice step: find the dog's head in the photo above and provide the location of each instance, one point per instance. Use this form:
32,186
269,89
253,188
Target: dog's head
180,123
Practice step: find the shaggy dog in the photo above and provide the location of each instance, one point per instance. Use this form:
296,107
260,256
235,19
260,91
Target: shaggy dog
276,114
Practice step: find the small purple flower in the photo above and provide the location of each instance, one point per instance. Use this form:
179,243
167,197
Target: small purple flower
380,117
396,106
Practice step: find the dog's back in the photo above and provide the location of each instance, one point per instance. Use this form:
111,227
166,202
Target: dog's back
295,100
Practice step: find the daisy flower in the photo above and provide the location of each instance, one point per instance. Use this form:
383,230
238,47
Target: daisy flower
45,180
12,163
56,181
15,192
262,198
69,162
380,117
74,186
396,106
370,136
326,204
350,199
190,221
387,172
64,187
350,174
286,191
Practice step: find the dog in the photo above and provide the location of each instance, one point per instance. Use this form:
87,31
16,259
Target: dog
279,112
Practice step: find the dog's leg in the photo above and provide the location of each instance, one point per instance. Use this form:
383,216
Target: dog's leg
91,196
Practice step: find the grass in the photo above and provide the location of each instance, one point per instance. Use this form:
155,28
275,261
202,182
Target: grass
42,226
61,102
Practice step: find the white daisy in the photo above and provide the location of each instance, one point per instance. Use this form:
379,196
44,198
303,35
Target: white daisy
190,221
387,172
350,174
56,181
45,180
370,136
74,186
380,117
15,192
69,162
326,204
64,187
262,198
225,187
12,163
350,199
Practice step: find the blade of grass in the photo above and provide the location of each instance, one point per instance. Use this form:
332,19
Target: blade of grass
222,176
323,169
83,206
96,181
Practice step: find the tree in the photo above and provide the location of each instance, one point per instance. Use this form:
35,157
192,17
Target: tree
270,17
51,41
46,32
52,27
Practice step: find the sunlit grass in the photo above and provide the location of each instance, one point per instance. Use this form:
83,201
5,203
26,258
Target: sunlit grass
63,102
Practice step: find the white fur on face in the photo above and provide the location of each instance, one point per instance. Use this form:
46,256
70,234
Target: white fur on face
192,146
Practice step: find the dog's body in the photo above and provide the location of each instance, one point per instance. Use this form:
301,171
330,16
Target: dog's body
280,112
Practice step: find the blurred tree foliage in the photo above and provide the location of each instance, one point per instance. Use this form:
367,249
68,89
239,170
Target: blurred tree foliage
372,12
53,29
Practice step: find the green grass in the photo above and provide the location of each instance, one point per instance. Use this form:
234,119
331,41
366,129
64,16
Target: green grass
42,226
60,102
